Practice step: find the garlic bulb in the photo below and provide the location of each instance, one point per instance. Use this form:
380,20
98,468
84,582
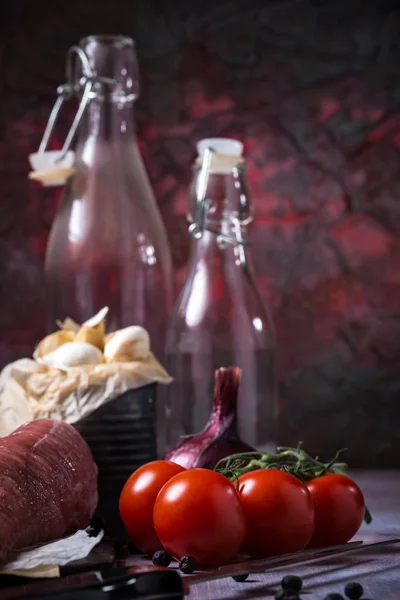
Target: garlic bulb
125,345
72,354
52,342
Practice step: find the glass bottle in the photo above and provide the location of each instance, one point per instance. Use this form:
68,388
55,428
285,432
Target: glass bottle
108,245
220,318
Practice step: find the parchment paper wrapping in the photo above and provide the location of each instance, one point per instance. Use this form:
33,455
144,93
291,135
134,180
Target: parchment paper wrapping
45,560
29,390
53,385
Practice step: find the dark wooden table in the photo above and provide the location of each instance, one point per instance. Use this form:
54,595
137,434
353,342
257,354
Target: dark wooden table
377,571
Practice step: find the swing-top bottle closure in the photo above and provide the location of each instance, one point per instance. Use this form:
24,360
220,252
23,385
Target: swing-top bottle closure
221,156
54,167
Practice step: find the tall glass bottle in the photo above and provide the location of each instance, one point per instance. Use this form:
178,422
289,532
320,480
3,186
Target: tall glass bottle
108,245
220,318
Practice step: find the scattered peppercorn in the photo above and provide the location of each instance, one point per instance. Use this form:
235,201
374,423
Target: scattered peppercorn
292,582
240,578
334,597
187,564
353,590
161,558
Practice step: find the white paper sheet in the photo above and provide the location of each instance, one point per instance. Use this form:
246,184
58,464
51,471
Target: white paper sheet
46,559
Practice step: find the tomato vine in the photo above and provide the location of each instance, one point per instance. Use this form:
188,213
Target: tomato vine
294,461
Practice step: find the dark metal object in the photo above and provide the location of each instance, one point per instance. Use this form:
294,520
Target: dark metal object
152,585
122,437
155,583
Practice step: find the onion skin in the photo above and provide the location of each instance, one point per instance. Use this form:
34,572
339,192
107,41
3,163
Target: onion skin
219,438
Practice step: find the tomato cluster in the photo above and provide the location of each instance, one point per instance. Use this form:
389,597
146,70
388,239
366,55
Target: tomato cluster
266,512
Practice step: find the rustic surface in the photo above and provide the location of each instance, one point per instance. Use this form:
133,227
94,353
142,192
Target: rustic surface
377,570
315,96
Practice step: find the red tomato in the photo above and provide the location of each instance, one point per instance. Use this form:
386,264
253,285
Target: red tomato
279,511
339,509
198,513
137,499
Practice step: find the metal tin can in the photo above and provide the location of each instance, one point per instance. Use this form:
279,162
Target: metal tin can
122,436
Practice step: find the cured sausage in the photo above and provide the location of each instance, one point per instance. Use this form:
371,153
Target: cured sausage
48,484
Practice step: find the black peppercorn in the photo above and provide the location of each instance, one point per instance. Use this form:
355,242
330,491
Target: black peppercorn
240,578
187,564
292,582
353,590
161,558
334,597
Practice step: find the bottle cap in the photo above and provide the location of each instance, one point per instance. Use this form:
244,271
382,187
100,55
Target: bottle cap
226,154
226,146
52,167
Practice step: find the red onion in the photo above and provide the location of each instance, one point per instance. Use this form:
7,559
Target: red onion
219,438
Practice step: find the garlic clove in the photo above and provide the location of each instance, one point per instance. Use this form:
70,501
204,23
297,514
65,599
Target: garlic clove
70,325
52,342
92,335
93,330
109,336
97,318
73,354
125,345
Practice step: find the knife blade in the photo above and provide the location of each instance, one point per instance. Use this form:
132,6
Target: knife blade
287,560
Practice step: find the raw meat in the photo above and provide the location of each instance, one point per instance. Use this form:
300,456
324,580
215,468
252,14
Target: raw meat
48,484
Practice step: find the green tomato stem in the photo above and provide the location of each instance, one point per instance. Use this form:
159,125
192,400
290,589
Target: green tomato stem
294,461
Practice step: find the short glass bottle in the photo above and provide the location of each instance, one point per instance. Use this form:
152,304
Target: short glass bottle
220,318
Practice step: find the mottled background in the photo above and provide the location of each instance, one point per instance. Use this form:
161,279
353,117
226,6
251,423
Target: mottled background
313,89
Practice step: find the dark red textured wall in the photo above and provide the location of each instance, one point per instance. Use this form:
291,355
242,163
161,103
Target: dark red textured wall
312,88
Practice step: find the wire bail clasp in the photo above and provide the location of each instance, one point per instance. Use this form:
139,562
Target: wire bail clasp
69,90
196,229
66,92
55,166
203,205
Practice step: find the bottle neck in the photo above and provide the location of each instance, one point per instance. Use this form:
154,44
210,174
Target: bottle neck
108,121
219,221
109,116
222,257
